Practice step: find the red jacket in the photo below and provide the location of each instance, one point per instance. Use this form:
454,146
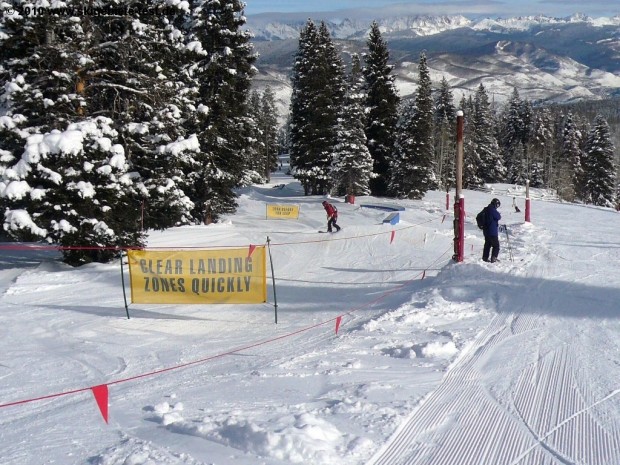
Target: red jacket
331,211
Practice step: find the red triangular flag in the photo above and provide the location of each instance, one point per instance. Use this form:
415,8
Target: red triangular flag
101,396
338,321
252,247
392,237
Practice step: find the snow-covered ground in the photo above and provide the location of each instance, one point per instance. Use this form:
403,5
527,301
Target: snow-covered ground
433,363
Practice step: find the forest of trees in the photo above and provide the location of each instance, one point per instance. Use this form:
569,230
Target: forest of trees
568,148
114,124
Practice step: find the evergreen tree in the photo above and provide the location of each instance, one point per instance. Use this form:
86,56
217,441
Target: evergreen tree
382,104
571,178
316,104
352,160
403,162
541,149
133,76
57,194
255,162
445,127
526,115
269,128
301,114
510,138
69,184
599,167
413,170
38,59
220,67
471,157
491,168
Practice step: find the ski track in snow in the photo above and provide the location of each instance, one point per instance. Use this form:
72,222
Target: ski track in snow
547,415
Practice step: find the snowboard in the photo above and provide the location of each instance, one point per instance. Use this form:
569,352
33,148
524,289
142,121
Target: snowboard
332,232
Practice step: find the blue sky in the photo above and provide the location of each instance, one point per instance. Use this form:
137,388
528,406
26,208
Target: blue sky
558,8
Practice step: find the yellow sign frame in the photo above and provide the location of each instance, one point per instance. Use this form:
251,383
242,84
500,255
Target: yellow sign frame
282,211
213,276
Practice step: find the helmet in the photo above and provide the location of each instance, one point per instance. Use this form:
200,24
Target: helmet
496,203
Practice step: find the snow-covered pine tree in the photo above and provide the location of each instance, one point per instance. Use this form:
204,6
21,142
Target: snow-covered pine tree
316,103
413,170
65,174
510,138
471,158
382,106
269,130
221,64
255,163
491,168
133,75
303,92
541,149
570,167
527,115
262,117
352,170
57,193
599,167
39,54
445,127
402,161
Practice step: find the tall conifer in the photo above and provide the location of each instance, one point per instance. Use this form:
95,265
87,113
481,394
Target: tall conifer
352,161
444,137
221,64
491,168
600,171
382,104
316,104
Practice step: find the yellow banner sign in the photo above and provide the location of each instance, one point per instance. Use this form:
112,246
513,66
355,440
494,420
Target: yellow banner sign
223,276
283,212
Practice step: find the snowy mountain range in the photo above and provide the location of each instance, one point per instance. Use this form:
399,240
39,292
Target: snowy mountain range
265,27
545,58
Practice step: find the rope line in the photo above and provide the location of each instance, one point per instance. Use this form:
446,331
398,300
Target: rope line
240,349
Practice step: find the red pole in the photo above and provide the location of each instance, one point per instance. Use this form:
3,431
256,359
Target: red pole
527,201
461,253
459,200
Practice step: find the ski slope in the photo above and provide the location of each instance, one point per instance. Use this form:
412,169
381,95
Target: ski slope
434,362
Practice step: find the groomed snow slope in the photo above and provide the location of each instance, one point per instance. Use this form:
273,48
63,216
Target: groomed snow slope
434,363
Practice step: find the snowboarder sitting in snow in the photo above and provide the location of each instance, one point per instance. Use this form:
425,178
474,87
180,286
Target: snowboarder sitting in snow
491,231
332,216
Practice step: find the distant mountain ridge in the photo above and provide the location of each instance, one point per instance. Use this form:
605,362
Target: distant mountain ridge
546,59
266,28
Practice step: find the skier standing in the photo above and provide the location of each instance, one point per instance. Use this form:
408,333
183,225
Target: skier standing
491,231
332,216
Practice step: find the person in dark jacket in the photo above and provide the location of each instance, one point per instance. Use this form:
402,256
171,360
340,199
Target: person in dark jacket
332,216
491,232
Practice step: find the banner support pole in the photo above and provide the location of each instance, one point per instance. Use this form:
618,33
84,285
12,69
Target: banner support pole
273,277
123,283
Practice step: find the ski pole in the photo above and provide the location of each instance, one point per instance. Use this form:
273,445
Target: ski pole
508,242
